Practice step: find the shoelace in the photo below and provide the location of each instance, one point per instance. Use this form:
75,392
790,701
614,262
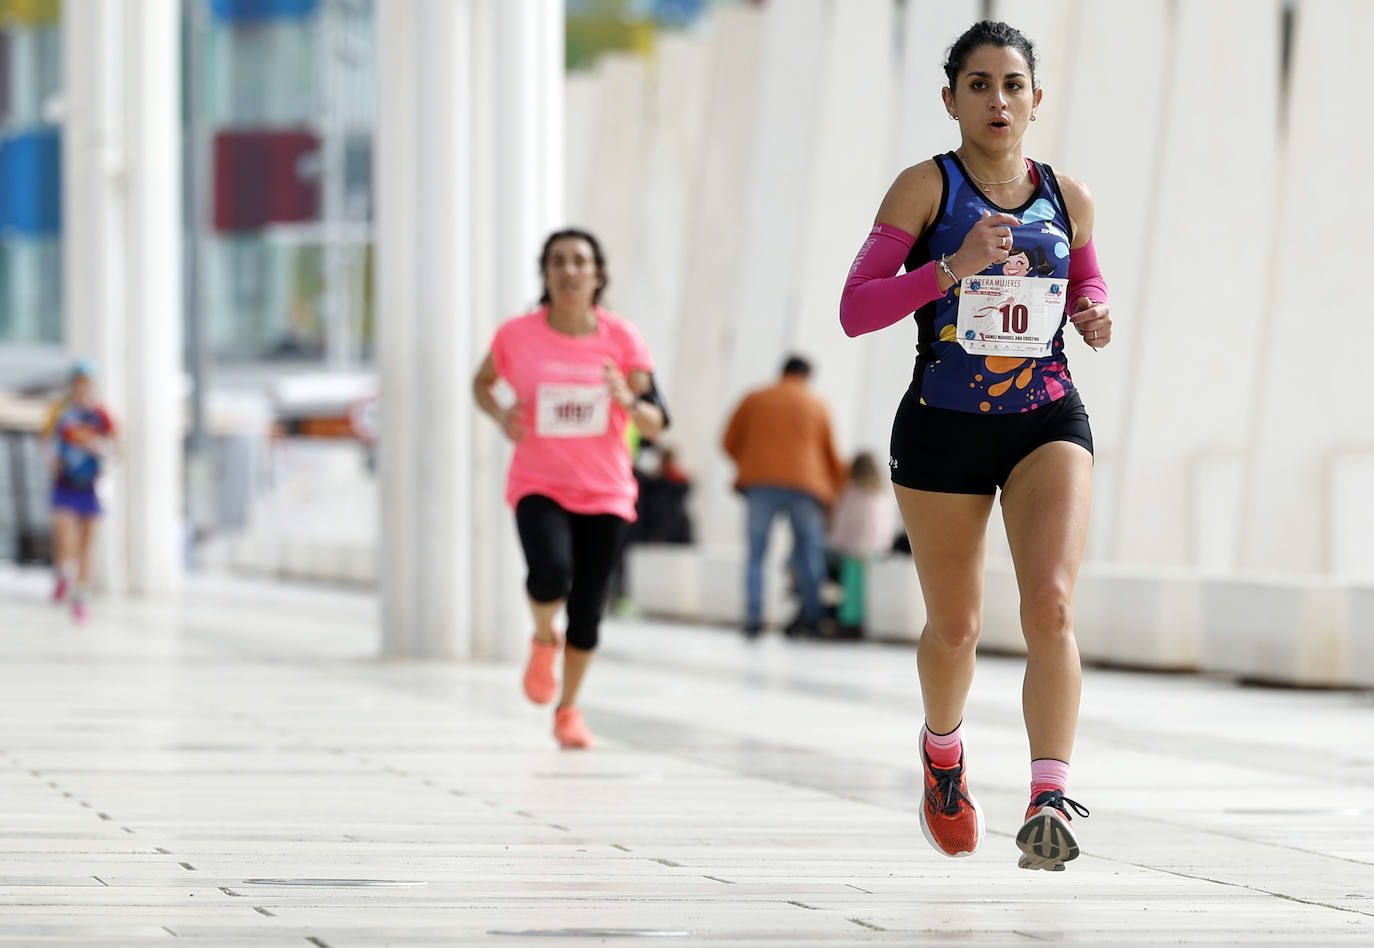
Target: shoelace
946,793
1056,799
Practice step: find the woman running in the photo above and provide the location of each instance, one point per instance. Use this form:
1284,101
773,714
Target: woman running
82,435
580,375
1000,260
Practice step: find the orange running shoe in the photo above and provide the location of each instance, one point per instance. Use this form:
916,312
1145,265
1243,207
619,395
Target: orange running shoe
570,729
1046,839
540,686
951,819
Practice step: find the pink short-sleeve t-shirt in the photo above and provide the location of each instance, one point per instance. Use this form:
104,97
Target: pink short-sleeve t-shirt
575,451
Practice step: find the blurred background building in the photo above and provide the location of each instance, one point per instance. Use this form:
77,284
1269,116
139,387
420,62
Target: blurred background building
731,155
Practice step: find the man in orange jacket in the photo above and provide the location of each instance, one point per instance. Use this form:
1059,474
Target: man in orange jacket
779,438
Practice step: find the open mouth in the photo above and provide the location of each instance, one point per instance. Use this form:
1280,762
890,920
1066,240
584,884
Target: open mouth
998,123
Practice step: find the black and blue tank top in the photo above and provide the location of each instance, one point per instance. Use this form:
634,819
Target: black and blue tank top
948,377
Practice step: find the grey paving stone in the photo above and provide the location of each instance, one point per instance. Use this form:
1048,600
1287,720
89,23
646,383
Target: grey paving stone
155,761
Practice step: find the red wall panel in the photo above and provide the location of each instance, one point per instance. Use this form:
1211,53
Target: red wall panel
265,177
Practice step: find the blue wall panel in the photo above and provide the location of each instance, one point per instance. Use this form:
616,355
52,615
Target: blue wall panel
239,11
31,183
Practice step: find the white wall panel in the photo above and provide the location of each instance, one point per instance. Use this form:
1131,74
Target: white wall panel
772,223
1351,514
706,316
851,170
1207,269
582,98
1310,387
676,124
1054,28
616,173
1110,135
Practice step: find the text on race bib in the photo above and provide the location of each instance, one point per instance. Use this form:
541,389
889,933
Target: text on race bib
1009,315
572,411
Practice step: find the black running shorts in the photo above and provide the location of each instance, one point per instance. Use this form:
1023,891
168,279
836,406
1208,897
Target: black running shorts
957,452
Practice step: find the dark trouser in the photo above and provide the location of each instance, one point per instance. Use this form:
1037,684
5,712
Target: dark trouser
807,516
570,556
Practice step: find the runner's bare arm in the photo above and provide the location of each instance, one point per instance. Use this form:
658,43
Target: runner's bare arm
1078,202
913,200
507,418
482,384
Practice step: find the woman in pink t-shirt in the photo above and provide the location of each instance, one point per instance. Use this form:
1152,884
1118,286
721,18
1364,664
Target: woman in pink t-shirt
580,375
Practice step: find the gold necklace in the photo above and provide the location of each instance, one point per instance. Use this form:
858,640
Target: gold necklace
988,185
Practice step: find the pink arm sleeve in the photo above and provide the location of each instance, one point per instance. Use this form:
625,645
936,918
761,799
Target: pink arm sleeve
1085,276
874,297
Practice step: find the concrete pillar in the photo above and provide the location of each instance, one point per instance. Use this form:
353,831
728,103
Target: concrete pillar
465,191
122,252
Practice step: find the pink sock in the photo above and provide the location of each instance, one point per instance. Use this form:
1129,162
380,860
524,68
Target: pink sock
944,750
1048,774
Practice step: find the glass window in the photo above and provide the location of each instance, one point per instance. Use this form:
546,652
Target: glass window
281,126
30,175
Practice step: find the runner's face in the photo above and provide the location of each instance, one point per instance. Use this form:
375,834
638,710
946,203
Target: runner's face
82,392
993,97
571,274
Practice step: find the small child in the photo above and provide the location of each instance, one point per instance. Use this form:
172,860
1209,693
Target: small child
861,527
82,436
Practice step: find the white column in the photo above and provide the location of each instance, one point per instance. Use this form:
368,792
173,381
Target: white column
467,185
122,266
397,205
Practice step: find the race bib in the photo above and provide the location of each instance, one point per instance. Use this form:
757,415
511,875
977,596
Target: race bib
1010,315
572,411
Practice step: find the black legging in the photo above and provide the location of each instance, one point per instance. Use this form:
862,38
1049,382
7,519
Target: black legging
570,556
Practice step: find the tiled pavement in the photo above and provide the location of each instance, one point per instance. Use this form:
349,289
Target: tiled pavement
162,765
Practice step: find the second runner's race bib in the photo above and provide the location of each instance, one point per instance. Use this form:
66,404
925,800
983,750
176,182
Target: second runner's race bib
1010,315
572,411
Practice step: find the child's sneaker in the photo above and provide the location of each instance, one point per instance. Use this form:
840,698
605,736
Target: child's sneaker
951,819
540,685
570,729
1046,838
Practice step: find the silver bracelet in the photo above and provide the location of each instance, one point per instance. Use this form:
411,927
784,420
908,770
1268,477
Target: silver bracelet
944,265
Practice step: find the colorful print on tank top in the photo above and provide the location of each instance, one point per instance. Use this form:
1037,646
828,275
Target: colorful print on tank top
947,376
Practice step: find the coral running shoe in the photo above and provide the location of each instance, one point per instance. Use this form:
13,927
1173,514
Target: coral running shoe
59,591
1046,839
951,819
570,729
540,686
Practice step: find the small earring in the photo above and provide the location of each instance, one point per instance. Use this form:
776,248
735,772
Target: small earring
953,117
1032,116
